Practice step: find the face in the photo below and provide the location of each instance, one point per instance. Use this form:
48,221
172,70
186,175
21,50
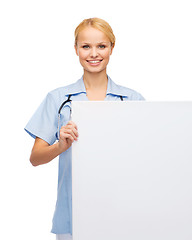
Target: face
94,50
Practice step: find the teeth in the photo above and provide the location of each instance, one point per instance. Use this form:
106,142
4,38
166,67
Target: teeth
94,61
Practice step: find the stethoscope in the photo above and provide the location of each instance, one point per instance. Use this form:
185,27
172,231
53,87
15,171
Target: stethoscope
59,113
62,105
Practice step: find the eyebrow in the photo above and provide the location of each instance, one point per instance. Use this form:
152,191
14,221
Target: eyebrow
96,43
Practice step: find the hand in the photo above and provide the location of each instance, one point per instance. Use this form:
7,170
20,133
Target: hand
68,134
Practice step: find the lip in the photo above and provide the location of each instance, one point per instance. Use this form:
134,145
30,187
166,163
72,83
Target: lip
94,62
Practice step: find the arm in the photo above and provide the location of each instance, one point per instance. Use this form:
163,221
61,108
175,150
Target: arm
43,153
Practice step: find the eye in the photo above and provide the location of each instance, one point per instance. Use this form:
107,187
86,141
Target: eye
85,46
102,46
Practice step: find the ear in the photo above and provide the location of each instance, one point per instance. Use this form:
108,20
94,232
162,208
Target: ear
76,50
111,49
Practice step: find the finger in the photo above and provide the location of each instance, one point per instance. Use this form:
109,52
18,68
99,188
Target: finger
72,123
64,136
73,132
70,129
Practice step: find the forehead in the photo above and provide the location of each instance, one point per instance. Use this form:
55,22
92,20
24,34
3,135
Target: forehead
90,34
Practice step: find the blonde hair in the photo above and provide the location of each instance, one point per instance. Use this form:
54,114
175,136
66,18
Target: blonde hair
99,24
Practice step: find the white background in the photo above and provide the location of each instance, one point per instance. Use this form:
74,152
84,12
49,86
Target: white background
152,55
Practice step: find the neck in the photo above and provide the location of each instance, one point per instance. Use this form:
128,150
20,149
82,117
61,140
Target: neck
95,80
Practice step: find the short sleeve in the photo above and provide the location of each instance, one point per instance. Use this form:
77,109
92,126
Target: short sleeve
43,123
135,96
140,97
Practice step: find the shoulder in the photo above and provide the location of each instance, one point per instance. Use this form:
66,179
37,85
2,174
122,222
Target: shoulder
62,90
130,93
61,93
125,92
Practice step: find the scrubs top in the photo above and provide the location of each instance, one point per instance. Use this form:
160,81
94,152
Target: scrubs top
44,124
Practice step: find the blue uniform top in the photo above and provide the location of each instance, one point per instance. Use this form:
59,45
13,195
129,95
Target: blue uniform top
44,124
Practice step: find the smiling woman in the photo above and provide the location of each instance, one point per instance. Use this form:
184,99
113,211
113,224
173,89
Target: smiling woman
94,49
94,43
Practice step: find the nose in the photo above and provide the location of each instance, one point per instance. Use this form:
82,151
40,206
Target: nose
93,52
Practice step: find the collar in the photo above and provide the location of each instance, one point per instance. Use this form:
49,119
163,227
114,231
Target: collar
112,88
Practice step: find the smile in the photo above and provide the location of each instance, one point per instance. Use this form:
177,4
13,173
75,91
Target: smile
94,61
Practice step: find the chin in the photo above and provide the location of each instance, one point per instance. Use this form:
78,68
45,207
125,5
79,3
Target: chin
94,70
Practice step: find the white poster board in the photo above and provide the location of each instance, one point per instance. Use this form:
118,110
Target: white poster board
132,171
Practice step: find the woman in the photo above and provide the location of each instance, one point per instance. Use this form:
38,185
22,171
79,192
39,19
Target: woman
94,43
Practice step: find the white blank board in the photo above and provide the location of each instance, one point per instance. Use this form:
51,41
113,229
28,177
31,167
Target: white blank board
132,171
